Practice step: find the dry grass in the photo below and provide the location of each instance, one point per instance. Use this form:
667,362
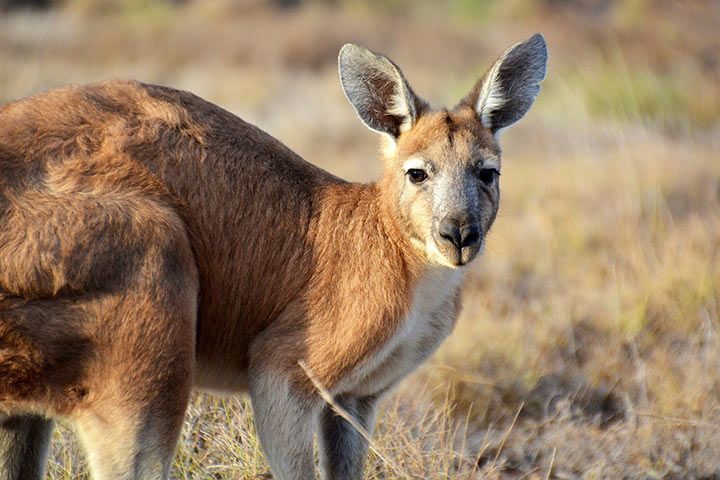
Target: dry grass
589,345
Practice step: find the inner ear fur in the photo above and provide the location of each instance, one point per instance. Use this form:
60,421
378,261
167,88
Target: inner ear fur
378,91
507,91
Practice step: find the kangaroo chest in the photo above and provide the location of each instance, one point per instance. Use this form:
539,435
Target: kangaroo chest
429,320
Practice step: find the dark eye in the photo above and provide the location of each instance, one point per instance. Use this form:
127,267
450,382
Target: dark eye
416,175
488,175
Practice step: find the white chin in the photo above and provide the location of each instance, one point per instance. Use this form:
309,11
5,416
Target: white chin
436,256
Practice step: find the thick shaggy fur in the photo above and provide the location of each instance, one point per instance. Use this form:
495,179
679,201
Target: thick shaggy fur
151,241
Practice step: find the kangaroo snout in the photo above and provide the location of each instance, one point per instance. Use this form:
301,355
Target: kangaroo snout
457,234
458,240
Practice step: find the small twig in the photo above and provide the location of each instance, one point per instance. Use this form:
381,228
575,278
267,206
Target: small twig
686,421
552,462
466,377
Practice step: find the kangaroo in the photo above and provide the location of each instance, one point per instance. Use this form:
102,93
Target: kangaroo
151,242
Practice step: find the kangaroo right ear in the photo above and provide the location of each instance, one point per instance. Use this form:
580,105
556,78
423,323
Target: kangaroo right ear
377,89
508,89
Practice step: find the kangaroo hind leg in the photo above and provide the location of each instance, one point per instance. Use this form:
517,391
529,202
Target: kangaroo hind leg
24,442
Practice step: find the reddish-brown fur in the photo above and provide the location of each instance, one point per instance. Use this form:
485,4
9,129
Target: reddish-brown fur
126,208
150,240
96,176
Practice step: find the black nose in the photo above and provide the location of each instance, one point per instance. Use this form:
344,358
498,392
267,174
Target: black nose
461,236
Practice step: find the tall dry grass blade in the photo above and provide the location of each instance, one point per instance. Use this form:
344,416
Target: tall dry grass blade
507,433
552,462
328,398
677,420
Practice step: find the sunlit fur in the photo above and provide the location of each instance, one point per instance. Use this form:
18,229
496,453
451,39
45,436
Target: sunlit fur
151,242
451,147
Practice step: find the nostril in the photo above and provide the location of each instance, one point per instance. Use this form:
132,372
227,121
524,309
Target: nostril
469,235
450,231
454,239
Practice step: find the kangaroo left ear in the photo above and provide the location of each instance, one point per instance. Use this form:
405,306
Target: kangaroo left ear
507,91
378,90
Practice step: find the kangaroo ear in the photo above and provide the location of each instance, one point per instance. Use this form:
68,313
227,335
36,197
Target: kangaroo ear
506,92
377,89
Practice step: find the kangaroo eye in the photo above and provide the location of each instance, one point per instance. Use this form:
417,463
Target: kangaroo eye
416,175
488,175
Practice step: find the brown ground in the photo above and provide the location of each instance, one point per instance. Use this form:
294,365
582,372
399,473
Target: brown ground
589,346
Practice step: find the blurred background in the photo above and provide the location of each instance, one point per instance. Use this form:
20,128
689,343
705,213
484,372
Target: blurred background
589,342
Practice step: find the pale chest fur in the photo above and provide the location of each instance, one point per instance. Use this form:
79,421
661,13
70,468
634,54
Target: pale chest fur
430,319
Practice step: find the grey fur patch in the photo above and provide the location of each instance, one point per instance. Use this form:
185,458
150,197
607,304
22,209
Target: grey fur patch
518,81
509,88
24,445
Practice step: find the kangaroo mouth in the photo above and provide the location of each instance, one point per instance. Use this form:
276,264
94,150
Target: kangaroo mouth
459,257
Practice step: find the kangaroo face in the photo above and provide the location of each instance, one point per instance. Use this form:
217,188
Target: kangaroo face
446,175
442,167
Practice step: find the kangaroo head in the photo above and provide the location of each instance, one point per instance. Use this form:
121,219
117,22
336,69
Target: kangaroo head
442,167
